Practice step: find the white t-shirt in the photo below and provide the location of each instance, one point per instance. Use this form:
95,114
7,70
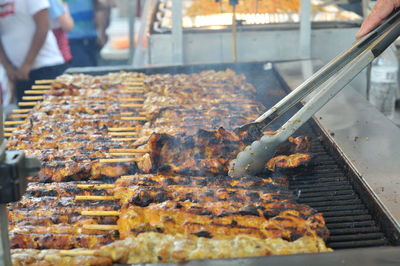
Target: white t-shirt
17,28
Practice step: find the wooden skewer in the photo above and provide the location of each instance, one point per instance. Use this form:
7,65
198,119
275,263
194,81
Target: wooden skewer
122,134
130,150
21,111
89,197
133,105
117,129
77,252
95,186
105,227
124,139
44,81
127,176
36,92
130,91
11,123
118,160
40,87
9,129
120,154
27,103
127,113
100,213
18,116
7,134
136,118
32,98
131,99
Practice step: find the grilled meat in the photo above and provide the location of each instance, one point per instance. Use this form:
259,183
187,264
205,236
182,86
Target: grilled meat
190,199
208,152
158,248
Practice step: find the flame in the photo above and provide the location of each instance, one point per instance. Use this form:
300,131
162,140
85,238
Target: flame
288,161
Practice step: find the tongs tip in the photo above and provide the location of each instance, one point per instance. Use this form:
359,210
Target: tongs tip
253,129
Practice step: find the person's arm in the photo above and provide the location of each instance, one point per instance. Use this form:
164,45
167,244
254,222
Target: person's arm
41,19
381,10
102,18
65,20
8,66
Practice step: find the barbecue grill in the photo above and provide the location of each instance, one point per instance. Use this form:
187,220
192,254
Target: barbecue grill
353,179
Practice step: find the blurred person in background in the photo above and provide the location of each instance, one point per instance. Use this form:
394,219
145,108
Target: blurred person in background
28,49
91,19
61,23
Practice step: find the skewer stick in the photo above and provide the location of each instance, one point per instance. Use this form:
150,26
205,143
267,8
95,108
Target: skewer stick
120,154
131,99
36,92
105,227
100,213
116,134
32,98
127,176
133,105
18,116
77,252
27,103
130,150
12,123
44,81
130,91
127,113
89,197
136,118
117,129
8,129
40,87
95,186
118,160
124,139
21,111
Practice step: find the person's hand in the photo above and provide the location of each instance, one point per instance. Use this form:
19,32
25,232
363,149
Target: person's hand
11,72
381,10
23,72
102,39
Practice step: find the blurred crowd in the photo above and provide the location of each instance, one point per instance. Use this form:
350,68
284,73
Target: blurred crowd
39,39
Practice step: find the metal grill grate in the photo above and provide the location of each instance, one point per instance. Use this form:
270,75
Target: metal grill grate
324,186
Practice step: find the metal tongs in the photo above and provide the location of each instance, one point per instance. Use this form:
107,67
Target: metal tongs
327,82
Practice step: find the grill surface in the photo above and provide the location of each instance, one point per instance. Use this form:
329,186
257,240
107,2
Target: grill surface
326,184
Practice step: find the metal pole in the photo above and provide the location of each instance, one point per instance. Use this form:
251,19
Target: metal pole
234,34
177,32
132,17
305,30
5,242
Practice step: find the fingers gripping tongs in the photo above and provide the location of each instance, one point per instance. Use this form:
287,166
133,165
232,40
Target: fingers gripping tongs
327,82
